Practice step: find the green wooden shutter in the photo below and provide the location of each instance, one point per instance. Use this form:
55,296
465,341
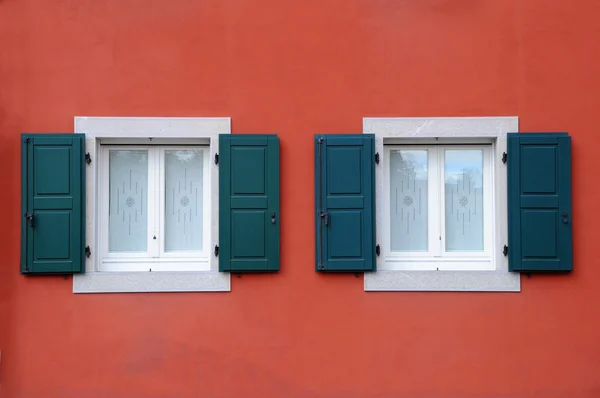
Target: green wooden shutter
345,202
539,202
248,203
53,204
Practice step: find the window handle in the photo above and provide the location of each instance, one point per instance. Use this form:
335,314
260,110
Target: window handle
565,218
29,218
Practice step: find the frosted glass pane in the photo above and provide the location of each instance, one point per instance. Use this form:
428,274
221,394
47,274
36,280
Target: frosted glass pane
463,171
408,200
183,200
128,201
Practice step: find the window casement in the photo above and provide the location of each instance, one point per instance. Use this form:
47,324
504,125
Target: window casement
438,207
154,208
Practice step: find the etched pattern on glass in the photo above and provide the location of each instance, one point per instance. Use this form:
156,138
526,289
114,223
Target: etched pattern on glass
408,200
463,178
183,200
128,201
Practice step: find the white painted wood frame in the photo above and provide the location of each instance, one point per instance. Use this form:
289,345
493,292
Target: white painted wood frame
436,257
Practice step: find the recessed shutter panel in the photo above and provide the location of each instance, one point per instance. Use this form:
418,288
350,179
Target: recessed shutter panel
248,203
345,202
539,202
53,204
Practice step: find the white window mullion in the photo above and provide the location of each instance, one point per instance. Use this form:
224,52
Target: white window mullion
435,213
155,232
441,204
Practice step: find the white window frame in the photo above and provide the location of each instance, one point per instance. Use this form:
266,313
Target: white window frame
148,131
155,258
439,131
436,258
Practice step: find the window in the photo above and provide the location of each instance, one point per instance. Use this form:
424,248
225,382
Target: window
441,205
134,164
154,208
175,204
438,207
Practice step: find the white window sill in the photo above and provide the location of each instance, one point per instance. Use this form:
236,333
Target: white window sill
443,281
132,282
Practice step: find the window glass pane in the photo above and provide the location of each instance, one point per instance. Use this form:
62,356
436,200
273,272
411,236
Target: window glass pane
183,200
128,201
463,171
408,200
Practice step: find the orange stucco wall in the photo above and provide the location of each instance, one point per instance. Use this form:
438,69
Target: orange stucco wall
297,68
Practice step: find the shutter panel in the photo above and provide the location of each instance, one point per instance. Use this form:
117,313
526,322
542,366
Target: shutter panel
53,204
539,202
345,202
248,203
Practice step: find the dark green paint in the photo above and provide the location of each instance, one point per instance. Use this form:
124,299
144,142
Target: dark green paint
248,197
53,190
345,190
539,197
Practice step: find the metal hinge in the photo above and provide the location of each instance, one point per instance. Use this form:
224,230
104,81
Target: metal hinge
505,251
216,158
88,252
320,267
88,158
504,157
216,250
377,250
26,140
377,157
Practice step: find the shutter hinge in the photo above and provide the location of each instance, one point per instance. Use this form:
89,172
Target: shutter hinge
505,251
26,140
88,252
216,250
216,158
377,250
377,157
320,267
504,157
88,158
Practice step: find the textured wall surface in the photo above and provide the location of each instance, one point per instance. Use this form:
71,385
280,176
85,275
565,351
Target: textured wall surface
297,68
